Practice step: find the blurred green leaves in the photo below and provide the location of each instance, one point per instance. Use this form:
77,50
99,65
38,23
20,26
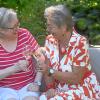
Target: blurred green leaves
86,15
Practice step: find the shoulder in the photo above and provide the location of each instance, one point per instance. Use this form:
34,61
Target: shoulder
80,41
23,30
79,38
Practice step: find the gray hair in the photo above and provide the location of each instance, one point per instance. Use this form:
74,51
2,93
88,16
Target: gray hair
6,16
60,15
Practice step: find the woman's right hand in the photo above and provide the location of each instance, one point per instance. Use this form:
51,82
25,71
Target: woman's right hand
21,65
51,93
42,67
33,87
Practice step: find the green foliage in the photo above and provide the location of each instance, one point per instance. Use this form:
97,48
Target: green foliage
95,38
86,14
30,13
82,23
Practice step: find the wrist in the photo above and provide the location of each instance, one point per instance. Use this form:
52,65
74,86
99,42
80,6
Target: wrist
50,71
34,87
38,83
38,76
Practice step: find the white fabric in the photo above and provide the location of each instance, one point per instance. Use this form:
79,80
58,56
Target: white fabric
43,97
7,93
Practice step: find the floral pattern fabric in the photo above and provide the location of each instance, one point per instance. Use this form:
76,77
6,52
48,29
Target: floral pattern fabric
76,55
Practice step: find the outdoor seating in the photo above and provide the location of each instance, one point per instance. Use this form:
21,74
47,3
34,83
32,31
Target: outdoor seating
95,60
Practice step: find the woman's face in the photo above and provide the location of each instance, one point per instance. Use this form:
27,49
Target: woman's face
55,30
11,31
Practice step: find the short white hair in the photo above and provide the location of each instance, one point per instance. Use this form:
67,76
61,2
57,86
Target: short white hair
6,16
60,15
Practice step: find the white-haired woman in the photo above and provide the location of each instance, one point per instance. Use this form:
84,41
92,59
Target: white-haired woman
68,74
16,72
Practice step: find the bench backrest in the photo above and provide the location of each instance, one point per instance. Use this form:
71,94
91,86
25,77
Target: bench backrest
95,60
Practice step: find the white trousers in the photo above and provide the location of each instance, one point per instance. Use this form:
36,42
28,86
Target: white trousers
7,93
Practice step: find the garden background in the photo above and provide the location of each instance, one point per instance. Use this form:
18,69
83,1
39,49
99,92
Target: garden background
86,16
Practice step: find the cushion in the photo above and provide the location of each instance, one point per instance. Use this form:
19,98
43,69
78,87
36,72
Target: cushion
95,60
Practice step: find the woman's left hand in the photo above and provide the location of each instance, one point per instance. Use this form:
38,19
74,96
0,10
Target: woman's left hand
51,93
42,61
33,87
42,67
79,72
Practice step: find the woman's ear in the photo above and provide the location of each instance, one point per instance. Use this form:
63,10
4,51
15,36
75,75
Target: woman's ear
64,29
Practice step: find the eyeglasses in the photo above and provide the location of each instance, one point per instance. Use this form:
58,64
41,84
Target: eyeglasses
12,28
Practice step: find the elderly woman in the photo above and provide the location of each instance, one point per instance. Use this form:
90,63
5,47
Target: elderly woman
17,69
67,73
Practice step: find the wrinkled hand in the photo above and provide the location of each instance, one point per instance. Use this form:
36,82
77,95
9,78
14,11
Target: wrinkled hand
51,93
39,54
42,61
42,67
21,65
79,71
33,87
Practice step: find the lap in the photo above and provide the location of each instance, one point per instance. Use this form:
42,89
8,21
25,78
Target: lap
30,98
8,93
90,89
81,93
24,93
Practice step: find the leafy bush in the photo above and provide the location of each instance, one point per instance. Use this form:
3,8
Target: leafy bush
86,16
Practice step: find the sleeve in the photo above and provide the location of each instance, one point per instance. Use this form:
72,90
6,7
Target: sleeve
32,41
49,45
81,57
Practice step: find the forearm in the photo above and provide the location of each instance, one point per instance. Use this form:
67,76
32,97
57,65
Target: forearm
8,71
37,81
74,77
68,77
38,77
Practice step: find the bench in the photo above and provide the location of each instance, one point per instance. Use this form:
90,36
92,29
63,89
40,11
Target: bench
95,60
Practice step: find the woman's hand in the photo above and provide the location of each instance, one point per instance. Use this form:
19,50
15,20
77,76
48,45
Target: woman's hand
33,87
78,74
42,61
51,93
42,67
21,65
39,54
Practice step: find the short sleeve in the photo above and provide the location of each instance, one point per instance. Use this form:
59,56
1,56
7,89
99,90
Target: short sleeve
81,57
49,44
32,41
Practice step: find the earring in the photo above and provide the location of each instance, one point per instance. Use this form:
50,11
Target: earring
64,35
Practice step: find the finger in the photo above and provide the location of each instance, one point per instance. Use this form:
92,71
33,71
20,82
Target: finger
39,69
47,61
43,51
35,58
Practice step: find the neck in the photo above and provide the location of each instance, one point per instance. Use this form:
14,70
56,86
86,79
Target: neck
5,39
65,39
